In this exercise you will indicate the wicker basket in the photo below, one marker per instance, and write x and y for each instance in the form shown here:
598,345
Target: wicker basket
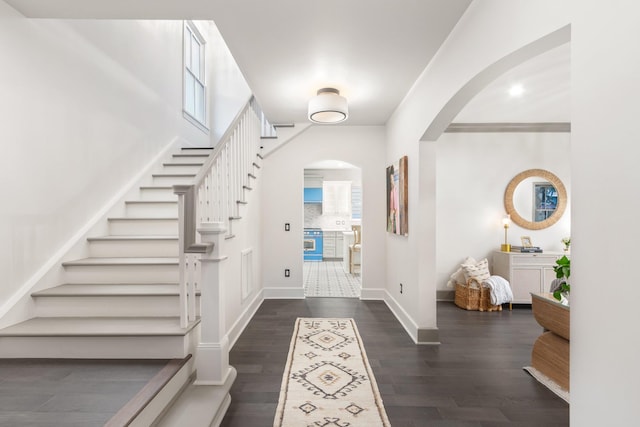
474,296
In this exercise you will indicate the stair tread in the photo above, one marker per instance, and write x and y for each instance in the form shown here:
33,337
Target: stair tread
156,187
151,202
148,218
174,174
122,261
109,289
98,326
183,164
191,155
133,237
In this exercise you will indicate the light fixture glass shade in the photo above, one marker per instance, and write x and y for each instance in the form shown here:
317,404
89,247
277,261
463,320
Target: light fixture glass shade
328,107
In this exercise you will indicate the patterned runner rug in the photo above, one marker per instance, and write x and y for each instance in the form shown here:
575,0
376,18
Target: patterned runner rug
327,381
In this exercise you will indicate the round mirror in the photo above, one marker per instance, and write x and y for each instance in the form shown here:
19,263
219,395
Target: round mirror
535,199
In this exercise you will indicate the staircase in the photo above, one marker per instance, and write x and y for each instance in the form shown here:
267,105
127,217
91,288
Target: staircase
137,294
123,300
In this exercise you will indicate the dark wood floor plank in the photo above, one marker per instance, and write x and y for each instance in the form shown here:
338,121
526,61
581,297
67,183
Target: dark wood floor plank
473,379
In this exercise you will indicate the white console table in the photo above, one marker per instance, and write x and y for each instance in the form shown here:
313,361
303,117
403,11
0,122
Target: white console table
526,272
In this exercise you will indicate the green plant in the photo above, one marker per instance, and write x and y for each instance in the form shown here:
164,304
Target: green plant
563,271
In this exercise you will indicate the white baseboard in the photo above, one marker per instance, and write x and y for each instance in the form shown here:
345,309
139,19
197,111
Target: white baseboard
284,293
403,317
373,294
245,317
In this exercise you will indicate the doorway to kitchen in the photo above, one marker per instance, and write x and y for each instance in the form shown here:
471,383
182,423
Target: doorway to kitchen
332,210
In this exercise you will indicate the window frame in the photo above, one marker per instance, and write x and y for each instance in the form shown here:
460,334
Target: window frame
191,33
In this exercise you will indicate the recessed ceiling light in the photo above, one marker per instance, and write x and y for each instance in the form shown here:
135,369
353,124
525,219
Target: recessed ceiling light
516,90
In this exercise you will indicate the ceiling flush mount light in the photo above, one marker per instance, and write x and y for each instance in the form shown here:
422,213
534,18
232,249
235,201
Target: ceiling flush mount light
328,107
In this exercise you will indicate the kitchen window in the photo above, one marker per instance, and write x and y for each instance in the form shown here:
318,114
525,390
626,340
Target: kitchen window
356,202
195,89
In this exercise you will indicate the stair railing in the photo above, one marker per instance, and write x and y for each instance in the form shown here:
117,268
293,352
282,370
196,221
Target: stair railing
215,196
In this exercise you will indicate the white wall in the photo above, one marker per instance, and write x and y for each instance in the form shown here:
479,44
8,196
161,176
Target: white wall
473,172
228,90
282,202
248,232
489,31
86,104
605,66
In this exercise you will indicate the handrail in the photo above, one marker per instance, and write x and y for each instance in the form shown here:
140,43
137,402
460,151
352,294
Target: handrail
225,139
189,243
214,196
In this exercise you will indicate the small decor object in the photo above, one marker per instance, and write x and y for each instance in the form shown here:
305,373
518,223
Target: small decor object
398,198
526,241
506,221
563,271
566,241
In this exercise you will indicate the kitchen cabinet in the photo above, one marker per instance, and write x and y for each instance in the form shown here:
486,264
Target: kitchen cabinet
339,245
313,195
333,245
336,198
526,272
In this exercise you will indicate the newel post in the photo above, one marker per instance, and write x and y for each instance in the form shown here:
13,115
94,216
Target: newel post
212,355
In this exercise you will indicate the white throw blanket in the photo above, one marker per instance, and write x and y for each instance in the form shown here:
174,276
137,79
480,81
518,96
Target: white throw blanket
500,290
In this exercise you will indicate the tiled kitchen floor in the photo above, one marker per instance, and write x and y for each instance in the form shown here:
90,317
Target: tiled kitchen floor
330,279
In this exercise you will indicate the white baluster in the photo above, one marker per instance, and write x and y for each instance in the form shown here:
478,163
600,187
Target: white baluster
191,291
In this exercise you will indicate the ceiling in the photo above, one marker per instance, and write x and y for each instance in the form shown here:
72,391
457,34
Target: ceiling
371,50
545,81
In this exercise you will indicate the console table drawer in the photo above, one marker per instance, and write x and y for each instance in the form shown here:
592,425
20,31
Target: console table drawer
533,259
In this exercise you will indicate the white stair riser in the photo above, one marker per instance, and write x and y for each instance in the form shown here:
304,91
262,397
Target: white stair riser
181,168
172,180
133,248
206,151
189,159
110,306
96,347
122,274
158,194
168,227
152,210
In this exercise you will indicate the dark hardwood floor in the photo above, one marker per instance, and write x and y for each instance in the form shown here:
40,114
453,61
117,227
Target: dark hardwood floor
69,392
473,378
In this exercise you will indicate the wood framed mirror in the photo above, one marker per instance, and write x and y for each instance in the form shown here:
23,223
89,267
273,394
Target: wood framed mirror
535,199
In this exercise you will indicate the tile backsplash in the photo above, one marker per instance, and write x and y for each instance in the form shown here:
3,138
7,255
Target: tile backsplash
313,218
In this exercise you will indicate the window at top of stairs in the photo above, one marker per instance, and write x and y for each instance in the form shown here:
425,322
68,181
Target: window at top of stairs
194,77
